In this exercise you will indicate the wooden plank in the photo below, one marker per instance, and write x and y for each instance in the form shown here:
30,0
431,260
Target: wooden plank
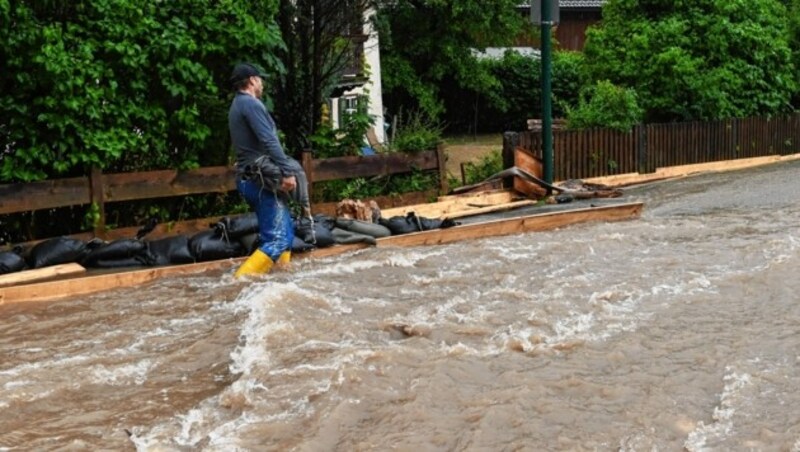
621,180
54,290
160,184
39,274
44,195
518,225
363,166
452,205
491,209
526,161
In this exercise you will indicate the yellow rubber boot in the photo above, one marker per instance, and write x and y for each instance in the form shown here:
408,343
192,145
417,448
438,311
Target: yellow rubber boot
257,264
284,260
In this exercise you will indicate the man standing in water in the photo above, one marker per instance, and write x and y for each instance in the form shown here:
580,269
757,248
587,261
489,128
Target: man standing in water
264,174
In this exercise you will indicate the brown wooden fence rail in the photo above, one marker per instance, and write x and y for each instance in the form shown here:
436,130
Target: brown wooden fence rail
589,153
100,189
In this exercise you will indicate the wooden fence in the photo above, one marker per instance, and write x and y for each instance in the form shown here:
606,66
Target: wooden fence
589,153
99,189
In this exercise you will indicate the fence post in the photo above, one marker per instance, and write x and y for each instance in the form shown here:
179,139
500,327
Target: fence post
307,161
97,197
510,143
441,156
643,166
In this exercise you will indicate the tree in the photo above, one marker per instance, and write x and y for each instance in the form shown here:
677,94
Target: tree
425,43
695,59
324,39
120,84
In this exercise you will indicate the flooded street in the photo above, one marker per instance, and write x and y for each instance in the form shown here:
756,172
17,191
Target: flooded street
676,331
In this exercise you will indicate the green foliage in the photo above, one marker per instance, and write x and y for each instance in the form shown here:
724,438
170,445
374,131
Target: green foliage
348,139
488,165
122,85
515,96
427,43
363,188
605,105
317,54
700,60
416,132
793,16
92,218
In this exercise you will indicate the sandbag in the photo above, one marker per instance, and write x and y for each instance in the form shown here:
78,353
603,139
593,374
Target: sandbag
59,250
342,237
236,227
304,230
412,223
208,246
323,235
363,227
170,250
135,261
322,227
118,250
299,246
11,262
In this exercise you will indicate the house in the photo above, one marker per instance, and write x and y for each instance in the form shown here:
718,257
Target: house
356,90
575,16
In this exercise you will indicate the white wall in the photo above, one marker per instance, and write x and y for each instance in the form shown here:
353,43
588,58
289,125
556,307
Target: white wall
372,55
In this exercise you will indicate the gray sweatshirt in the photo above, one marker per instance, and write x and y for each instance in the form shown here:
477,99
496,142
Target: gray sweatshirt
253,134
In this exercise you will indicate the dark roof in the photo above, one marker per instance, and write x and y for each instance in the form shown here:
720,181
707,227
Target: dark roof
581,3
573,4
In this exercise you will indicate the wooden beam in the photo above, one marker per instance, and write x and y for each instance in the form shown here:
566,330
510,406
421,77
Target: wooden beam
533,165
44,195
39,274
160,184
447,206
54,290
492,209
671,172
517,225
364,166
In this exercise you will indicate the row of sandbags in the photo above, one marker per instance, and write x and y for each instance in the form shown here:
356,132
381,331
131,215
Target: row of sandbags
227,238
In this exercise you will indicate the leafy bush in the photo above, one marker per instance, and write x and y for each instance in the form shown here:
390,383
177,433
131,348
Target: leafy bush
364,188
348,139
122,85
605,105
418,132
706,60
481,170
515,95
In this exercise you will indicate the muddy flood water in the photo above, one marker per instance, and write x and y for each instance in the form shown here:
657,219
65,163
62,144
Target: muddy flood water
676,331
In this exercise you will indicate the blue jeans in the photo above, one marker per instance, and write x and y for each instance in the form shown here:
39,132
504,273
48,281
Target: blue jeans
275,228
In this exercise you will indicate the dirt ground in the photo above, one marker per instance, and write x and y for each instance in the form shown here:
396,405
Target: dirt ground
470,149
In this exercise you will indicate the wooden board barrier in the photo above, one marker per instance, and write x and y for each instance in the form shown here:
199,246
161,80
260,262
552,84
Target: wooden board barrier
533,165
53,290
516,225
39,274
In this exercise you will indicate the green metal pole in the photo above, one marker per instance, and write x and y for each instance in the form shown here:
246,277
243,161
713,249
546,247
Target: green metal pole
547,104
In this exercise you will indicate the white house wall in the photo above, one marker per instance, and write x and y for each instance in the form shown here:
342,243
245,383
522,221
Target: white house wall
372,55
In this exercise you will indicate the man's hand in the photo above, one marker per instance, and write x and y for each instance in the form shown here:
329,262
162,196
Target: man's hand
288,183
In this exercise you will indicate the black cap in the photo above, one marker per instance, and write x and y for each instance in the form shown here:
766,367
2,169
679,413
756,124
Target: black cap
244,71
